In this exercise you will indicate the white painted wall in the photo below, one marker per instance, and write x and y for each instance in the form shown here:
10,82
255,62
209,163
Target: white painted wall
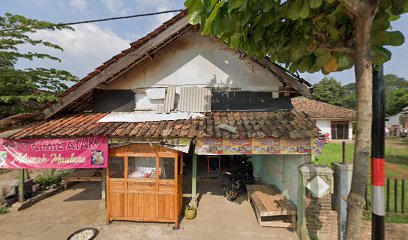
195,60
350,134
325,127
281,171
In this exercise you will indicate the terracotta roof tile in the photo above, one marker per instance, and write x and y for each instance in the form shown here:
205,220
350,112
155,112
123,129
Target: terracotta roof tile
320,110
288,124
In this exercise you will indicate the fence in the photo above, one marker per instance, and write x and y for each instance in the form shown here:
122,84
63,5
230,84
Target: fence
395,195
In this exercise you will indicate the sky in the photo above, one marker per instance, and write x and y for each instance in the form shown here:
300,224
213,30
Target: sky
92,44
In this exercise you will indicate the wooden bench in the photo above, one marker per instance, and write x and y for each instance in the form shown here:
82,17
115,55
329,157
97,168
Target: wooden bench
83,175
271,208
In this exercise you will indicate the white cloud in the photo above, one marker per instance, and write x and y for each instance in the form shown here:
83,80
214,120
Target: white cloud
84,49
115,7
80,4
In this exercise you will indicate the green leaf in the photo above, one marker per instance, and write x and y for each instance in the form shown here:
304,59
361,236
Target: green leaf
395,38
344,61
397,6
210,20
195,7
323,57
267,5
315,3
380,24
235,39
237,4
388,38
294,8
304,12
381,55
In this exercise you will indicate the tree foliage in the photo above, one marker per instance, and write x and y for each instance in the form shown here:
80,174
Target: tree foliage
331,91
26,90
312,36
306,35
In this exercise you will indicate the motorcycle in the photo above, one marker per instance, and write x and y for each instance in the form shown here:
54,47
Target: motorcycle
234,181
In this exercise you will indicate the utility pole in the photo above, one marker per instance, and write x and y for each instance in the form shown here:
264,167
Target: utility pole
377,155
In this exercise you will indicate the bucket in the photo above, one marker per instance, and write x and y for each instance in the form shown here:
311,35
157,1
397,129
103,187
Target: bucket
190,213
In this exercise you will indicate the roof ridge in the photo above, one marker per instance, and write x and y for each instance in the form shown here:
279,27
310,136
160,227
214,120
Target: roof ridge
133,46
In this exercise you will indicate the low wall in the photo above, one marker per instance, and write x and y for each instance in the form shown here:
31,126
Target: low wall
281,171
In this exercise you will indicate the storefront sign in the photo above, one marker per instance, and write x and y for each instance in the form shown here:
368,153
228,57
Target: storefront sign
87,152
218,146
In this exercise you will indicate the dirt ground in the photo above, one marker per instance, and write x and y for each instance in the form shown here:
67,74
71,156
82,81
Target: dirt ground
393,231
80,206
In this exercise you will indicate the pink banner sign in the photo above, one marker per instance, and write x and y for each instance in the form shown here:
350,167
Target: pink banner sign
86,152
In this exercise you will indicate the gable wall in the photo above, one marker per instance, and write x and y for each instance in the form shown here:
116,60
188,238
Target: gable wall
195,60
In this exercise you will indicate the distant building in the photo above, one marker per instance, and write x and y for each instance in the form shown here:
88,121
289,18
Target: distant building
335,121
397,124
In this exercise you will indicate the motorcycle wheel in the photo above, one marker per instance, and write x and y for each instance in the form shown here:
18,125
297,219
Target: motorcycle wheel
231,193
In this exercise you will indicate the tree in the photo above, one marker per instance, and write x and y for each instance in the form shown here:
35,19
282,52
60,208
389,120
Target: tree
396,101
396,89
314,35
329,90
27,90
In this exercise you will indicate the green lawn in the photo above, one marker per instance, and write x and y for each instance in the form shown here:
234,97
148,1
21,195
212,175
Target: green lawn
396,156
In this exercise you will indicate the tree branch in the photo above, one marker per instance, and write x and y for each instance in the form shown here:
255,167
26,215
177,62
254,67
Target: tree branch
341,49
360,8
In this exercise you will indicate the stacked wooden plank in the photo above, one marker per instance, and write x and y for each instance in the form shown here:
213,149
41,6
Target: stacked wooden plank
83,175
271,208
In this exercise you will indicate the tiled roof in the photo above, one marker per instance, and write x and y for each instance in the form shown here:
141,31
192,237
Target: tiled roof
283,124
321,110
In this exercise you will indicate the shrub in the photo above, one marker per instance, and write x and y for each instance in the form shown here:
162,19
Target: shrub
4,209
50,178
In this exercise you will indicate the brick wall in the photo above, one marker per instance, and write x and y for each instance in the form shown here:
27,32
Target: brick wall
321,220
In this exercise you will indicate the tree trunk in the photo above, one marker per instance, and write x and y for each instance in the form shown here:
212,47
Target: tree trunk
363,72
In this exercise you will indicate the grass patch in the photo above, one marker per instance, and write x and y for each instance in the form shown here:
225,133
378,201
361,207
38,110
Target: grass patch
4,209
4,171
396,157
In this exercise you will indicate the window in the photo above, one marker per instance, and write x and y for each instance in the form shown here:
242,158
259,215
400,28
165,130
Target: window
141,167
166,168
214,164
116,167
339,130
248,101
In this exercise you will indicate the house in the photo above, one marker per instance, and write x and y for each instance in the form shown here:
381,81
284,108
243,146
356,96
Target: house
176,98
335,121
397,124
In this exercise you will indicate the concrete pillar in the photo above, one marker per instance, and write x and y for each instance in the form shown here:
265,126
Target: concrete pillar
21,185
316,219
194,181
103,182
342,185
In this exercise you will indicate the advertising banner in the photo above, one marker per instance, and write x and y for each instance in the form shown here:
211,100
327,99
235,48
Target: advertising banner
59,153
219,146
265,146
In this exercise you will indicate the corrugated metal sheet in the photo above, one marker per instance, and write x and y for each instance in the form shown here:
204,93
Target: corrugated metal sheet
170,98
132,117
195,99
